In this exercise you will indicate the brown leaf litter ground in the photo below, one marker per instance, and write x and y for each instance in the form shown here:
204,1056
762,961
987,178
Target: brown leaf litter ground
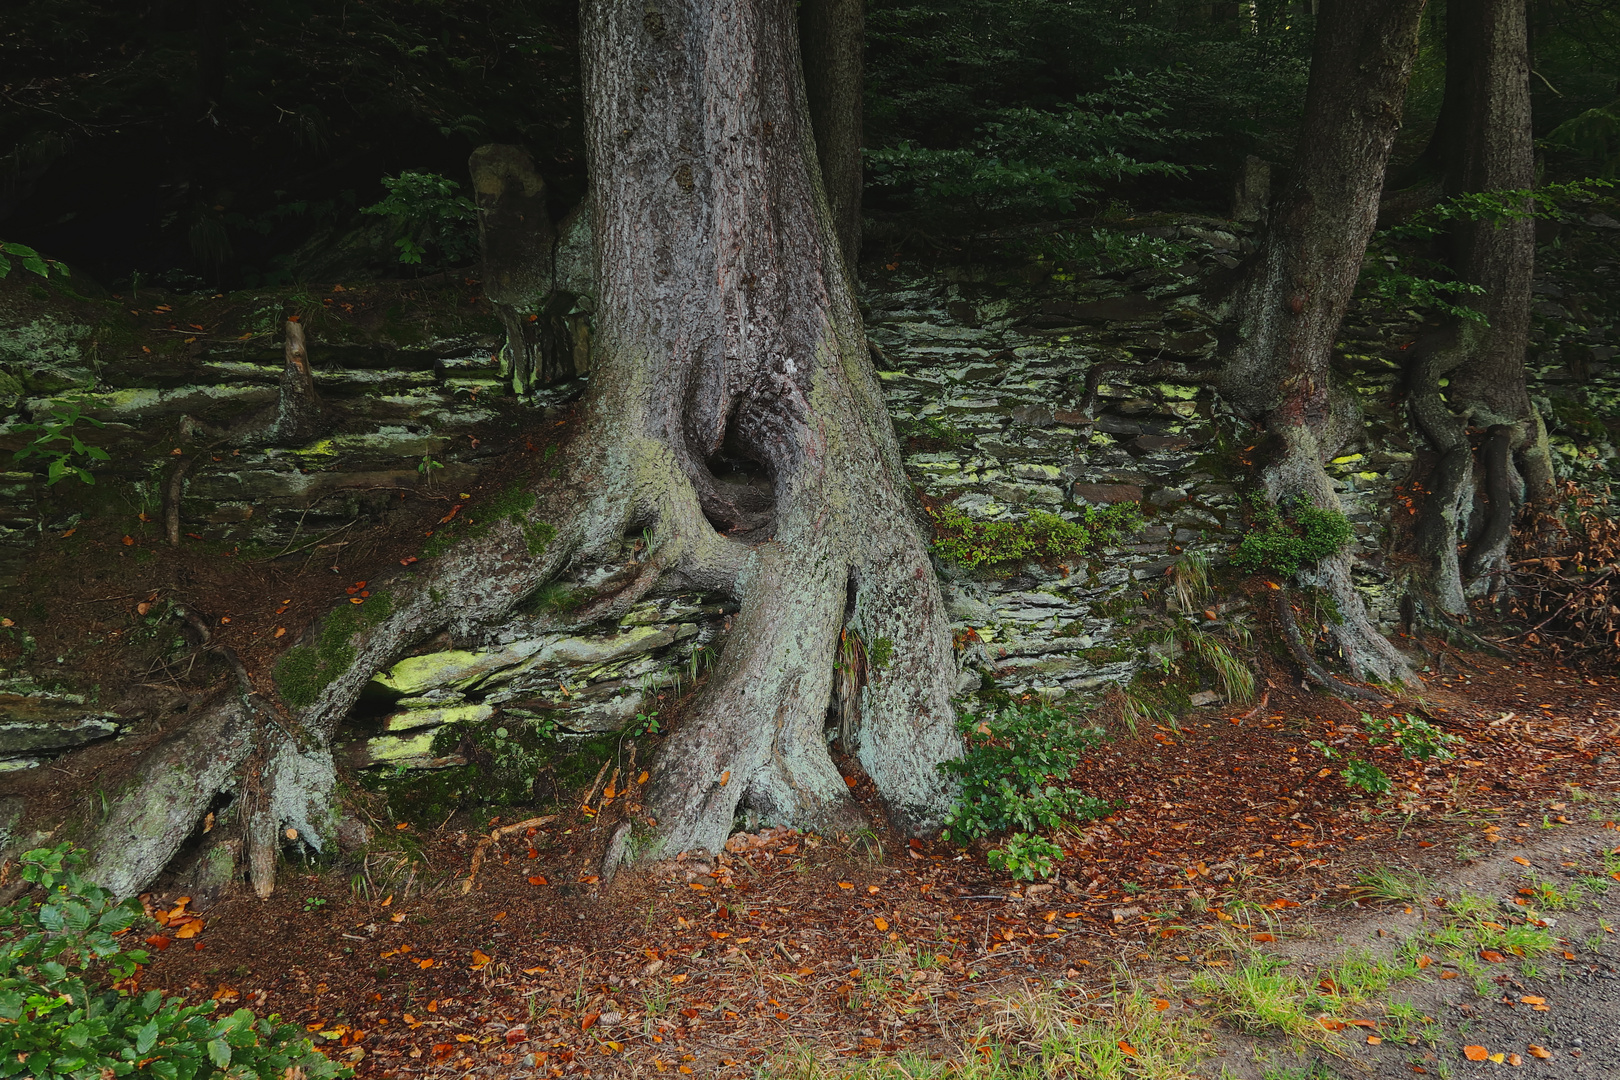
1229,827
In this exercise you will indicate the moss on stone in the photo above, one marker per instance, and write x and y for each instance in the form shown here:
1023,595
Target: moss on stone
1040,536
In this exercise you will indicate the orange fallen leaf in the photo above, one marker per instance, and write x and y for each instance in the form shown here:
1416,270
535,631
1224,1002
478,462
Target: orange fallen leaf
1515,1060
1539,1051
1265,937
880,922
724,777
587,1020
537,879
1492,956
190,929
129,541
1531,999
1448,974
1424,961
1126,1048
1159,1004
642,779
280,631
158,942
1330,1024
480,959
424,963
846,885
1475,1053
1373,1040
1521,860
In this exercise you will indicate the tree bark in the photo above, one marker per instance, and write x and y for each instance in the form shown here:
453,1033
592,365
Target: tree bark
1293,297
833,36
729,349
1490,149
733,417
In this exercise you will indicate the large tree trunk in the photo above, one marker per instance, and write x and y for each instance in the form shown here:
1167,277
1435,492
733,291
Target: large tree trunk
1490,149
833,33
1293,297
733,417
738,409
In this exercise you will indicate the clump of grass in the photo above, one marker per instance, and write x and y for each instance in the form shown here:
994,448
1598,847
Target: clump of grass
1256,998
1389,884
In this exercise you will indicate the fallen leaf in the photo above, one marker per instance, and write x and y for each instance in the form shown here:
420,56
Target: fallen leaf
537,879
1127,1048
1373,1040
1265,937
1492,956
1521,860
880,922
1497,1057
587,1020
1515,1060
479,959
1539,1051
1424,961
1531,999
1159,1004
158,942
724,777
846,885
424,963
1448,974
1475,1053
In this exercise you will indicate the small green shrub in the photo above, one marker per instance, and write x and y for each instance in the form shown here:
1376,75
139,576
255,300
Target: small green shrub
439,220
1366,776
1417,739
60,961
1008,771
1284,545
1025,857
59,445
1040,536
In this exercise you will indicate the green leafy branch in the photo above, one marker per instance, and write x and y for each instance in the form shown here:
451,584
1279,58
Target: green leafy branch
30,259
60,446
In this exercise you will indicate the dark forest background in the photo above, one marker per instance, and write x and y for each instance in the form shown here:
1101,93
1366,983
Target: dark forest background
216,144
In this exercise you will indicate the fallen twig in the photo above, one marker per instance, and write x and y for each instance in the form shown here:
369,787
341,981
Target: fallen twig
483,845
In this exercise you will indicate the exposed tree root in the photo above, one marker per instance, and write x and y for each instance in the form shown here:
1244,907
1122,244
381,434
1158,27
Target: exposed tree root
1302,654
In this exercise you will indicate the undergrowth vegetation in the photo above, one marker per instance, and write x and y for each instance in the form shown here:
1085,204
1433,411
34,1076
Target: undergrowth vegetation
1040,536
1014,776
1284,543
70,1009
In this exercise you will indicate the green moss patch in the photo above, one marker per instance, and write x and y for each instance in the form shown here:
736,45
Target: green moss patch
308,669
1041,536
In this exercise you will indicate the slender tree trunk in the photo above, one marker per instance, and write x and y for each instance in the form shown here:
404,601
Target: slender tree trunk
733,416
833,33
1293,298
1491,150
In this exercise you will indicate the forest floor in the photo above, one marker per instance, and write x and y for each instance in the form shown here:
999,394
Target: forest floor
1241,913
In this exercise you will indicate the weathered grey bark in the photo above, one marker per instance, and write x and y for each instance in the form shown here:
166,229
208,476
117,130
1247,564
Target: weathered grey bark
1292,299
1488,147
713,181
516,237
733,414
833,33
